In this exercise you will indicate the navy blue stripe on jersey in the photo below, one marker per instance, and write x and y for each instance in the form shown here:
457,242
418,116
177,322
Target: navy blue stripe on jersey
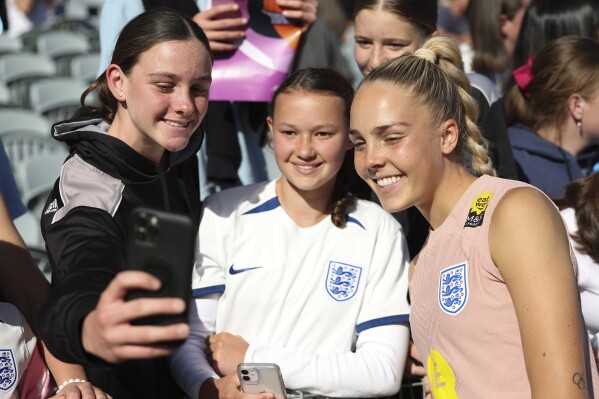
383,321
356,221
215,289
269,205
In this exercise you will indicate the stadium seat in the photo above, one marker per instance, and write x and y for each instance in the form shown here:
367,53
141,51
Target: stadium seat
56,98
62,46
10,44
17,120
85,66
22,146
19,70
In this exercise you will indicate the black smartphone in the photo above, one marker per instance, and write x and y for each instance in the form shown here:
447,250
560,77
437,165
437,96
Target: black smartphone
163,244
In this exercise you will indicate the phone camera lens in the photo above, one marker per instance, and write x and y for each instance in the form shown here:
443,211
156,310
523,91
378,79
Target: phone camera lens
141,235
152,232
245,372
142,221
246,377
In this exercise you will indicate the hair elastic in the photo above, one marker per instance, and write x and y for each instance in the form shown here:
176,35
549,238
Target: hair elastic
427,54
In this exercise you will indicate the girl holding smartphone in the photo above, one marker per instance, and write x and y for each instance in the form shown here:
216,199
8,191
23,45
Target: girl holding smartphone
137,148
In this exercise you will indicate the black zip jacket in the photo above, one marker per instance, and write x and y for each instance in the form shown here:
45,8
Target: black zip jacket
84,224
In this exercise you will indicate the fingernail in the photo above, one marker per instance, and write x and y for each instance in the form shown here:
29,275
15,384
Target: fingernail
178,306
183,331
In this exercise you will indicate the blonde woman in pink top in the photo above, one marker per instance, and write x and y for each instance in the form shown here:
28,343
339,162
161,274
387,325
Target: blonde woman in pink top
495,307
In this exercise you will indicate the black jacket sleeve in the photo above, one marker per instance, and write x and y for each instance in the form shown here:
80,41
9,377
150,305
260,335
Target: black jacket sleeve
86,250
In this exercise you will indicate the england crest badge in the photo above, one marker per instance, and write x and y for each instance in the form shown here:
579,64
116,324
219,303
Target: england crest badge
342,280
453,288
8,370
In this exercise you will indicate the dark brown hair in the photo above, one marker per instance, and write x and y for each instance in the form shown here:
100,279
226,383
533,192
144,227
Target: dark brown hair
490,55
545,21
565,66
143,32
327,81
582,195
421,13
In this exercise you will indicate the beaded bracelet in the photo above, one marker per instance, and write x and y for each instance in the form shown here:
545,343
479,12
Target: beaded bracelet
67,382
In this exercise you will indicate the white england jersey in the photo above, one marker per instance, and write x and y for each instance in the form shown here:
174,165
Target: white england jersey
313,289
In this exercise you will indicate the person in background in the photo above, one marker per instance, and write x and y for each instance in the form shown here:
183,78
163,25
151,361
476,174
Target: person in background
24,286
556,114
482,316
452,21
232,154
494,28
23,289
25,15
580,210
8,186
322,273
136,149
386,29
545,21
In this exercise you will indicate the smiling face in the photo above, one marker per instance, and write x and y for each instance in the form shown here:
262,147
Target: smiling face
397,146
381,36
164,98
310,138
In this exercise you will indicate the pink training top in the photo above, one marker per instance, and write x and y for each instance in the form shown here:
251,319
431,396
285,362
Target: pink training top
463,320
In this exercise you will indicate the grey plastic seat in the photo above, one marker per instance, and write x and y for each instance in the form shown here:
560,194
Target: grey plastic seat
19,70
56,98
62,46
28,226
88,10
10,44
37,176
16,120
5,100
85,66
22,146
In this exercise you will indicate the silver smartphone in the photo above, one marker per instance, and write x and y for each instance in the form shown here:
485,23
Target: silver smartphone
260,378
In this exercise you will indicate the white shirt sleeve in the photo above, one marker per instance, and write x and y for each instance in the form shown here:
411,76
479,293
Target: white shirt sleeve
189,365
374,369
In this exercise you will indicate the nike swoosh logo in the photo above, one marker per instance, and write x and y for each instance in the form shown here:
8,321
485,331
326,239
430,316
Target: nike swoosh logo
246,269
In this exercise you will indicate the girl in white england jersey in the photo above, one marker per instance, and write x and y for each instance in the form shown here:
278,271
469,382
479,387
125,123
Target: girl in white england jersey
297,271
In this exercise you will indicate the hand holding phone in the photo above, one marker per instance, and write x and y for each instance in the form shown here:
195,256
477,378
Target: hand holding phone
261,377
107,331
